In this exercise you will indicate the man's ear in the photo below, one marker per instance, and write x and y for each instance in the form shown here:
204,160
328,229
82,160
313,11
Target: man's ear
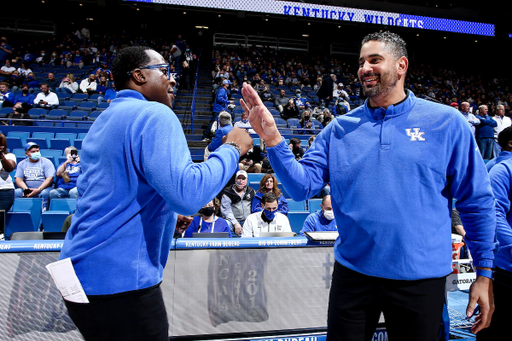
138,77
402,65
509,145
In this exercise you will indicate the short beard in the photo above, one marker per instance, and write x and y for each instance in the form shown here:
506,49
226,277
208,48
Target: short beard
386,83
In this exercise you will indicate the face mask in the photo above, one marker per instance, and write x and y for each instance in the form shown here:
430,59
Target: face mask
269,214
35,156
306,118
240,183
25,91
245,121
208,211
329,214
298,95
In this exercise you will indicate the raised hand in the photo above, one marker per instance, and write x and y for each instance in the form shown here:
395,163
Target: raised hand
260,118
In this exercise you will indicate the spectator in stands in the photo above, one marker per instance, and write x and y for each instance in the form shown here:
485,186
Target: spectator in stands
268,183
7,165
501,181
505,143
224,128
7,69
290,110
281,101
244,123
473,121
339,92
268,220
68,84
300,102
77,60
110,94
502,122
102,86
34,175
24,70
32,82
266,95
189,66
236,202
25,96
42,58
176,56
322,220
6,97
305,123
67,175
88,85
251,161
484,132
52,82
46,99
5,50
339,108
310,141
54,60
296,148
208,221
319,110
19,112
15,81
326,118
326,89
220,104
363,252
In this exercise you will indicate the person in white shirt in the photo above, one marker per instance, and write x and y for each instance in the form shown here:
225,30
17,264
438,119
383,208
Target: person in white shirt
472,119
7,165
268,220
46,99
503,122
7,69
88,85
245,124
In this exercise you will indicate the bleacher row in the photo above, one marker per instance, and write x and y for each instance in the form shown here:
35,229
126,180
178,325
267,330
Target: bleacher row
51,145
26,216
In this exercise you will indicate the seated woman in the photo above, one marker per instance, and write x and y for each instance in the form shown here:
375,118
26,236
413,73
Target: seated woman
269,184
208,221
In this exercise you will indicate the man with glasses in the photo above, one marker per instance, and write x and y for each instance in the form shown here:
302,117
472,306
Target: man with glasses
137,177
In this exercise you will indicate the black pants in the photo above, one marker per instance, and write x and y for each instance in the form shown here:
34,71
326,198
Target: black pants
136,315
412,309
500,323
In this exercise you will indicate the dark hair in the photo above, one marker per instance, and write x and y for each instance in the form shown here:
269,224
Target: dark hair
269,197
295,140
3,141
126,60
395,45
504,136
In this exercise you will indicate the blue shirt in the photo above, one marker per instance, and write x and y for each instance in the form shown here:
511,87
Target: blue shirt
74,170
317,222
393,173
217,138
137,175
29,98
219,225
503,155
501,179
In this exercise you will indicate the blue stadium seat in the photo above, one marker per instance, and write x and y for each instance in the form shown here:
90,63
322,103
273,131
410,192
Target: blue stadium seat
18,152
314,205
58,113
253,177
60,209
44,134
78,144
25,215
41,142
296,219
78,113
296,205
36,112
61,144
87,106
70,136
23,135
5,111
292,122
283,190
15,143
81,136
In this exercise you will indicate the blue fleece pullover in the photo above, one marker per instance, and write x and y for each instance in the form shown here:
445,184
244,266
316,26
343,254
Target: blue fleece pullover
393,173
501,182
137,175
318,222
503,155
221,100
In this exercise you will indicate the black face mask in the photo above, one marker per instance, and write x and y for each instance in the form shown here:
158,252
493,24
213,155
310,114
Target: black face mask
207,211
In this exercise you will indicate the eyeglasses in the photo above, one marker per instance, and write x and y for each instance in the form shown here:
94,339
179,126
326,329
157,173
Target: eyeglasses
164,68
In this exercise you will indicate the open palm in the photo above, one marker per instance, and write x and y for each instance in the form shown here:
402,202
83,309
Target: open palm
260,118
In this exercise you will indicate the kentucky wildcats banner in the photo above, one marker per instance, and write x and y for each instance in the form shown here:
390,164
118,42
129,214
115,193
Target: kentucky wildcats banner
305,10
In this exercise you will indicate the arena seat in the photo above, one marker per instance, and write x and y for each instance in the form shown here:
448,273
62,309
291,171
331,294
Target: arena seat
44,134
297,219
60,144
296,205
60,209
253,177
70,136
25,215
314,205
41,142
23,135
14,143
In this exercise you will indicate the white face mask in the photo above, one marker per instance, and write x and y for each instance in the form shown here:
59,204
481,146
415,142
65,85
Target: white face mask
329,214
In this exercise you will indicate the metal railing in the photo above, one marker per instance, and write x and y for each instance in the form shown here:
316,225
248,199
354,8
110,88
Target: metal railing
235,40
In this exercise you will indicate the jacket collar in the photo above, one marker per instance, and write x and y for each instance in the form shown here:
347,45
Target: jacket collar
395,110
